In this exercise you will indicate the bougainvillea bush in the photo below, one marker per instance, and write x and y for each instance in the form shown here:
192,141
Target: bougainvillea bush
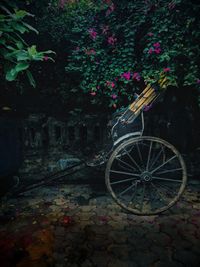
118,46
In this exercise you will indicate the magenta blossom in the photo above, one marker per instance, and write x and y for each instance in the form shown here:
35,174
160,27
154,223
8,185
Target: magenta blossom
147,107
171,5
93,93
112,84
150,34
116,79
108,83
150,51
62,3
90,52
156,45
93,33
112,40
114,96
157,50
166,69
45,58
198,81
136,76
98,87
126,75
110,10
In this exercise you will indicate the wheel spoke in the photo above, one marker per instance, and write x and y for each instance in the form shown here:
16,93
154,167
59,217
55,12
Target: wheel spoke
163,164
147,167
156,158
142,199
125,163
122,181
172,170
159,192
132,160
127,189
134,194
167,179
139,153
167,189
126,173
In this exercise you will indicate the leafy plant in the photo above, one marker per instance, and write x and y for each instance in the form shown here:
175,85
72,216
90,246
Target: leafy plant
15,54
119,45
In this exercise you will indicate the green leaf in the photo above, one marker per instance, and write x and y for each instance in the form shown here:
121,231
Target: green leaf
19,28
30,27
21,66
11,75
32,50
22,55
31,79
20,14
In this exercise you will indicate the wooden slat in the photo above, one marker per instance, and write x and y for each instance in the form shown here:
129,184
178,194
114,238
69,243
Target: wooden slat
142,100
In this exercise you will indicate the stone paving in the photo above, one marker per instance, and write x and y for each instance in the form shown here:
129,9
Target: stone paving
80,225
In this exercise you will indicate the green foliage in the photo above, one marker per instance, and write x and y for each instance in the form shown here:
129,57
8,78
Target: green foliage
15,54
117,45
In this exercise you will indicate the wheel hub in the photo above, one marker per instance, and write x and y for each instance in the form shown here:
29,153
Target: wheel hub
146,176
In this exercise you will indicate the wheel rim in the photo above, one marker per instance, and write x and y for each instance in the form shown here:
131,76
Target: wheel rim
146,175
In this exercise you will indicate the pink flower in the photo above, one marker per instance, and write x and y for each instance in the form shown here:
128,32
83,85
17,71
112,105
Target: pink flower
126,75
108,2
156,45
90,52
198,81
112,84
147,107
114,105
93,33
171,5
150,34
166,69
45,58
93,93
98,87
108,83
112,7
114,96
157,50
150,51
62,3
110,10
136,76
112,40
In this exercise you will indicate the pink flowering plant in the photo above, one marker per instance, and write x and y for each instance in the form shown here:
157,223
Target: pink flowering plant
123,45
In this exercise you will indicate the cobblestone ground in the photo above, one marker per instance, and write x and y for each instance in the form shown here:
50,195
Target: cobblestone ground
80,225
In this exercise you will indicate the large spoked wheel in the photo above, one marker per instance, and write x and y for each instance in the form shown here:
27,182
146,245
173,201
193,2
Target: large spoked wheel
146,175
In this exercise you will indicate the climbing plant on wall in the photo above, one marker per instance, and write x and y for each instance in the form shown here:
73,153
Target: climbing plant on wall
119,45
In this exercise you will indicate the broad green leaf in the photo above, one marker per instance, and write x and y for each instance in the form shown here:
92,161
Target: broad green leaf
21,66
19,44
11,75
20,14
19,27
22,55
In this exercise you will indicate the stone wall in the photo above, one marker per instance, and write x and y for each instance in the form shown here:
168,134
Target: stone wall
51,144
